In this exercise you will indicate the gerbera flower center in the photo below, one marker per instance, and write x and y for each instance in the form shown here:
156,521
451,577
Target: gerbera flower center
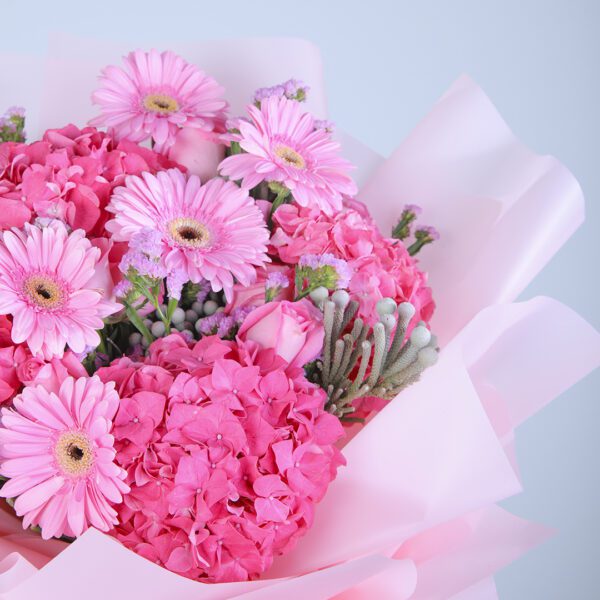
74,453
43,291
290,157
189,232
161,103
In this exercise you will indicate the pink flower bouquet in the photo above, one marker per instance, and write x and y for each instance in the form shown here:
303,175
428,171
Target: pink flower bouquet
222,369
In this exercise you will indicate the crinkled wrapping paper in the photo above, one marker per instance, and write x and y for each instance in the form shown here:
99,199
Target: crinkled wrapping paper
414,513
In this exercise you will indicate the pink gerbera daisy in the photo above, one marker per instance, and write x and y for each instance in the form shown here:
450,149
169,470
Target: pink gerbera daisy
46,285
282,144
154,95
213,231
57,452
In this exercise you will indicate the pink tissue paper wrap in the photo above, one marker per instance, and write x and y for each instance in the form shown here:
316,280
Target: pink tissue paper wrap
414,514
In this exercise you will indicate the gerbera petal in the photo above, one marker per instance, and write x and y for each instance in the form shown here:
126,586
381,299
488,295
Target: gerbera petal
229,233
37,495
56,445
47,294
153,95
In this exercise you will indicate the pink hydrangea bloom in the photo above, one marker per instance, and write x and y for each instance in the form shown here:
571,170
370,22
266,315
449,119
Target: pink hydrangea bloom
381,267
46,285
213,231
154,95
57,453
69,175
282,144
226,457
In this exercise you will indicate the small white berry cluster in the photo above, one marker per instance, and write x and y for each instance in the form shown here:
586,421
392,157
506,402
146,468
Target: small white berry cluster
183,320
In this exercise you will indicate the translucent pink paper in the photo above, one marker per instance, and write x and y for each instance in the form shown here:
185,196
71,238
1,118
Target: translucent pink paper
502,210
414,513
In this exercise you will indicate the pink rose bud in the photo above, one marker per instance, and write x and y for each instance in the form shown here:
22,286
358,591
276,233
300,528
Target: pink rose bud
293,329
199,151
34,371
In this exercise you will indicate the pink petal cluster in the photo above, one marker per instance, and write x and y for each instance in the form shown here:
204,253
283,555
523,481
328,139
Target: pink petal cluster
213,232
227,450
156,94
47,285
19,368
68,175
57,453
254,295
282,144
294,330
381,266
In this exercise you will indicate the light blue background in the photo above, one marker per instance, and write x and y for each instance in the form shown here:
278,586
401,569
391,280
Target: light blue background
386,63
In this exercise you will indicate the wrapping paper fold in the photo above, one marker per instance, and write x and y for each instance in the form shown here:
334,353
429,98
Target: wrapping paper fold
502,210
413,514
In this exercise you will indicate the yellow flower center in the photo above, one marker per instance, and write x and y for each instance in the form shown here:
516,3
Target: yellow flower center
74,453
43,291
189,232
290,157
161,103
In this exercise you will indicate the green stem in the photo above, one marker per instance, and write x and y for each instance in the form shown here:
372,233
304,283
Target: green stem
416,246
170,310
102,345
280,199
137,322
305,292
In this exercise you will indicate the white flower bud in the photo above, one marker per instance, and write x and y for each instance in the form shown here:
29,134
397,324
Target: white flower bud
406,311
319,295
341,298
420,336
197,308
210,307
427,357
158,329
135,338
389,321
386,306
178,316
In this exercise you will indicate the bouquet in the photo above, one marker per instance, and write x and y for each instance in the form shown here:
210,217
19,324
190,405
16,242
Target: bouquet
217,363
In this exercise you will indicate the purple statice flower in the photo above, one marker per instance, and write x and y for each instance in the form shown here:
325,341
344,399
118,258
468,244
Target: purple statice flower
402,229
12,124
122,288
9,126
427,231
295,89
210,325
292,89
324,124
225,326
142,264
203,291
240,313
424,234
175,282
15,111
266,92
148,241
332,272
222,324
415,209
277,279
